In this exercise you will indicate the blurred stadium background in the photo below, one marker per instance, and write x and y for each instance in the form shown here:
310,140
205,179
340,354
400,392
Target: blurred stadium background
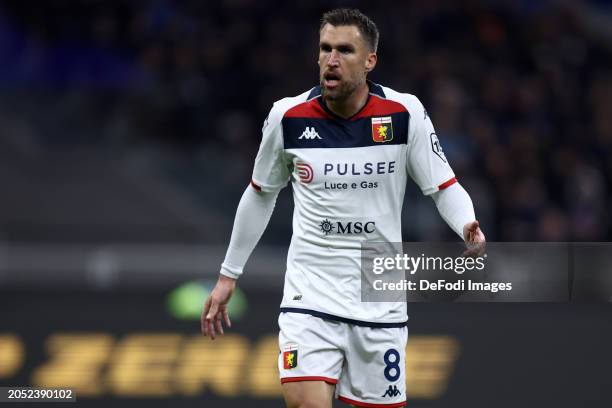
127,135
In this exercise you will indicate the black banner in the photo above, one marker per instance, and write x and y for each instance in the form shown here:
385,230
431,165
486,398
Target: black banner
128,349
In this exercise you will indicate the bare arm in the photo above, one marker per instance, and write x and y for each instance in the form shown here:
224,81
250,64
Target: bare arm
252,217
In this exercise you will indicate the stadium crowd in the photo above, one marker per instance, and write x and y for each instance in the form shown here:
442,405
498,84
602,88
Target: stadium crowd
520,94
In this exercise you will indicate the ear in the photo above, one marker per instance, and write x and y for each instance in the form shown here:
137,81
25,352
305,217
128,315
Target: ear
370,62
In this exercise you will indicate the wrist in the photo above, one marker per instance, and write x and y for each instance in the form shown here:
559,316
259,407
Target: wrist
226,280
230,271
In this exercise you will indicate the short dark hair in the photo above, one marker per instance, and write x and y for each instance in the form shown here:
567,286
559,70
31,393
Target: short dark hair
348,17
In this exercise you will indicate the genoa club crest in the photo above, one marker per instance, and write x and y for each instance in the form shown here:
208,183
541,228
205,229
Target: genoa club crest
382,129
290,356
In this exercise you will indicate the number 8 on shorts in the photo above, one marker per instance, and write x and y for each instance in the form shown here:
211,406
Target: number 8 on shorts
392,368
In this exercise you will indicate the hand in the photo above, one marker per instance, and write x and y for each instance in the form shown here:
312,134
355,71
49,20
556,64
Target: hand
215,307
474,239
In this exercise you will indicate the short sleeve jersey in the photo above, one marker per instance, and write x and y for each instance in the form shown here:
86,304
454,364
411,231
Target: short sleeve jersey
348,177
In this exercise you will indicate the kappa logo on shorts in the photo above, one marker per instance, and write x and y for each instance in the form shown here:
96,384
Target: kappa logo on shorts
290,356
392,391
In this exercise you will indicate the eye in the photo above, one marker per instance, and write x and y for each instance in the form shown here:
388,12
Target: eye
345,50
325,47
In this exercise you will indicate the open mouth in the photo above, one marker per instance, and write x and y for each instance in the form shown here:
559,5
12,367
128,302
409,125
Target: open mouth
331,79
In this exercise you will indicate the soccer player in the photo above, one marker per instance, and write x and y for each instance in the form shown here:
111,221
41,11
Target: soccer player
348,146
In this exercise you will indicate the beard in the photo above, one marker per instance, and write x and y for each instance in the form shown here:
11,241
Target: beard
342,92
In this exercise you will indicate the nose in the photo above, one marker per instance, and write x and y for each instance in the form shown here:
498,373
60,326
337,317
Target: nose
334,59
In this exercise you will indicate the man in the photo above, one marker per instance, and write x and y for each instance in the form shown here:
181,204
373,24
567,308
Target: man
348,146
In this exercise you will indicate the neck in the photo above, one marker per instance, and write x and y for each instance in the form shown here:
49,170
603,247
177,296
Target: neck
349,106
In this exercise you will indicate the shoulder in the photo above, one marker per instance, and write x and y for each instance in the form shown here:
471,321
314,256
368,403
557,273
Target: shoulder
282,106
410,102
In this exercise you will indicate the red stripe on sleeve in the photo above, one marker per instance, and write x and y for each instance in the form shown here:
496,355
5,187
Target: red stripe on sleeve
255,186
447,183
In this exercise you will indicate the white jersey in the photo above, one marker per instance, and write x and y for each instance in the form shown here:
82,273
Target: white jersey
349,177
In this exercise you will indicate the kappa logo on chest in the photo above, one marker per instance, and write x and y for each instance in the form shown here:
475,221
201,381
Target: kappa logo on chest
310,133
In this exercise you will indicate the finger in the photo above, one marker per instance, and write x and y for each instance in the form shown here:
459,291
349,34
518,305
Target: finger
226,318
214,308
211,329
475,245
470,237
476,235
470,253
207,306
218,324
477,248
203,325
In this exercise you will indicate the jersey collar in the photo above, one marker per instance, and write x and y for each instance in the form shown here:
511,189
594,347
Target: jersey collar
373,89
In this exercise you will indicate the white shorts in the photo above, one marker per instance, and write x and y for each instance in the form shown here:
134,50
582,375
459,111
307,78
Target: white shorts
366,364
